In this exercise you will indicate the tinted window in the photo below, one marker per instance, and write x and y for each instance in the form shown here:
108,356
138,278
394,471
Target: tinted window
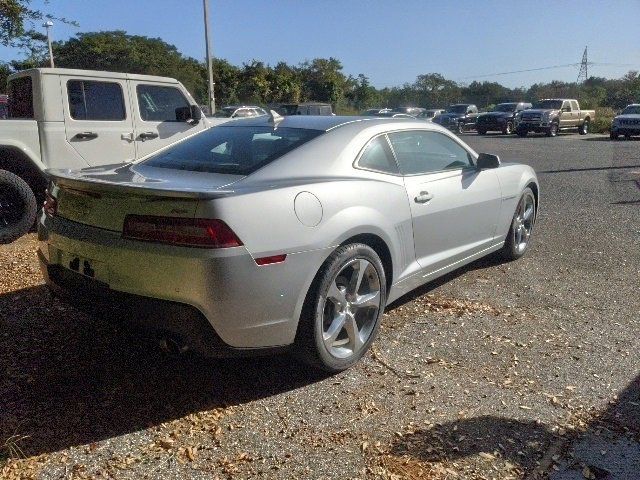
158,104
377,156
90,100
20,98
424,152
235,150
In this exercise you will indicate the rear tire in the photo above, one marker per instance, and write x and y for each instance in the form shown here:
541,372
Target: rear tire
519,236
460,128
341,315
584,128
18,207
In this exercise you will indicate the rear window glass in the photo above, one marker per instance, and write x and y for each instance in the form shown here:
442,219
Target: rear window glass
234,150
20,98
89,100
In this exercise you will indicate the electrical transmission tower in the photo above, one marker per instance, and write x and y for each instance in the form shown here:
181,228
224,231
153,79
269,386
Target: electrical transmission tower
583,74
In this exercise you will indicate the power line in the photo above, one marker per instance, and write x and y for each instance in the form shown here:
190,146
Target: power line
521,71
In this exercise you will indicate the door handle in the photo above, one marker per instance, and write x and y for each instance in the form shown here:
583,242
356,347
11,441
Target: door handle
86,135
148,136
423,197
127,136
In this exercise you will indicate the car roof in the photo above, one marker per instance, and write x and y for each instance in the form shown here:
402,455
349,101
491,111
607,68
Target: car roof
320,122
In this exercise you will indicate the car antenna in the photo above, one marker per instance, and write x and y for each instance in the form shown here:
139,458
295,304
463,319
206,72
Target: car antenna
274,117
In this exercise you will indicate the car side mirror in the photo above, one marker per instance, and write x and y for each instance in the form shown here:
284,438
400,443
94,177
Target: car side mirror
487,160
190,114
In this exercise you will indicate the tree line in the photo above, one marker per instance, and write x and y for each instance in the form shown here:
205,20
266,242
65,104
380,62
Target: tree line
320,79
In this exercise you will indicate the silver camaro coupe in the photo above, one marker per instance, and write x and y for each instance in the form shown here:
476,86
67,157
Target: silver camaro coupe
272,232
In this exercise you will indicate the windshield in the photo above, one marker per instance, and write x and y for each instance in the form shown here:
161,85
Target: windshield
505,107
238,150
548,104
631,110
457,109
224,113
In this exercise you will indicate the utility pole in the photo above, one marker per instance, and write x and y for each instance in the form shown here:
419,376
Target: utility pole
212,95
48,24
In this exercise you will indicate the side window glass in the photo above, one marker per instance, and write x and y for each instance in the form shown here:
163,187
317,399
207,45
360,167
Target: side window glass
159,104
420,152
574,105
20,100
89,100
377,156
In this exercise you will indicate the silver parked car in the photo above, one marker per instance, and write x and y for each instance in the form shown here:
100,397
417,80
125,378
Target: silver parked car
268,232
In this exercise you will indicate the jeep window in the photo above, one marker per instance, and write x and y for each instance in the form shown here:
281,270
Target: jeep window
89,100
159,104
548,104
505,107
457,109
20,98
631,110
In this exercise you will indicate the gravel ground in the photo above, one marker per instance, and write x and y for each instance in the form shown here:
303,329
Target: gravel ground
497,371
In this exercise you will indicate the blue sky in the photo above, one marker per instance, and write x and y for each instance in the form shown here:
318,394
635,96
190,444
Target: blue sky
391,41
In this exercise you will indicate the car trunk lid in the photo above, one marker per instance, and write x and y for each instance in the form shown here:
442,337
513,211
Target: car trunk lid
103,197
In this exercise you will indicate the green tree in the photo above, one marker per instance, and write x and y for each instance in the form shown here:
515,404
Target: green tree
255,85
323,80
118,52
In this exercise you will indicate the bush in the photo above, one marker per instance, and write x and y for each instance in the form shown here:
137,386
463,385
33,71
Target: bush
602,123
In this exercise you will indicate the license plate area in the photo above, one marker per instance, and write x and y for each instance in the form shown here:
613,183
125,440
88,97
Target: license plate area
87,267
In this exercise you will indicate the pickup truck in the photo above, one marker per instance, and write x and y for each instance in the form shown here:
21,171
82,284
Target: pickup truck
459,117
552,115
627,123
64,118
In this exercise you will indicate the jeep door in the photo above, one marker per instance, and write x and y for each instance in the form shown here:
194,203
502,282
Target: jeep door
98,119
156,121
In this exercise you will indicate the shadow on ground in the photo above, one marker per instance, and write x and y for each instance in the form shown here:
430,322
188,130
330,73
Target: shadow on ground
69,379
607,448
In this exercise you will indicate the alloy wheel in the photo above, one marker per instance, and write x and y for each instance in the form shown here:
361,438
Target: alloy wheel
523,221
351,308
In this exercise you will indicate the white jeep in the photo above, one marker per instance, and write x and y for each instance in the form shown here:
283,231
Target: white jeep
61,118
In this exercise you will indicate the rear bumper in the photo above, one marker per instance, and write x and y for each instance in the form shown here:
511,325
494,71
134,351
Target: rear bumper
244,305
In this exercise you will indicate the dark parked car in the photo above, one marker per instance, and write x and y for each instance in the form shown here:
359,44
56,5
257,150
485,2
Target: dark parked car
459,118
501,118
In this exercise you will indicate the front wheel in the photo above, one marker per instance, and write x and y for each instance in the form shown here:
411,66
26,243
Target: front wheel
342,312
519,236
508,128
584,128
18,207
460,128
482,131
552,131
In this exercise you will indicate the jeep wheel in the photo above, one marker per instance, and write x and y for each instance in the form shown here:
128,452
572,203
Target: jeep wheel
584,128
508,128
552,131
17,207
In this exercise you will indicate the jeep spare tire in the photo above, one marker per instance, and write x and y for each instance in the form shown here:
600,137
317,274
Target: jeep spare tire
18,207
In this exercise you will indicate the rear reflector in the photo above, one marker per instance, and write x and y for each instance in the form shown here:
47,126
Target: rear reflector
187,232
270,260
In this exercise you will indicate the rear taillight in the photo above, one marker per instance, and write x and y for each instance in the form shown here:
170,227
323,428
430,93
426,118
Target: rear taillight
188,232
50,205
